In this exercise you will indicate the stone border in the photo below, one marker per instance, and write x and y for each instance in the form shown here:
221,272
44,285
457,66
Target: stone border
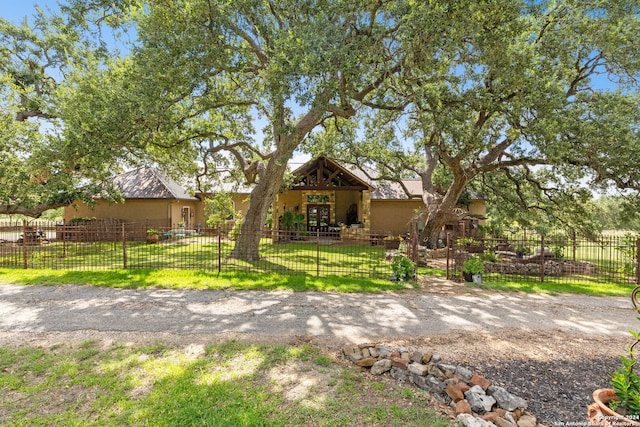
472,398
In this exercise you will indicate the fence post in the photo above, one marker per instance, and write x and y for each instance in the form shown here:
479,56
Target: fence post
638,261
318,252
25,257
575,245
124,247
219,250
448,253
542,257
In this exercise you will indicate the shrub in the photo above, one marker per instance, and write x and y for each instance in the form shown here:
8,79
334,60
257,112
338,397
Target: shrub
473,265
403,269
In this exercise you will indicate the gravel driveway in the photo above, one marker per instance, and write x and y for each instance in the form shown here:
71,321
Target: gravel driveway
551,350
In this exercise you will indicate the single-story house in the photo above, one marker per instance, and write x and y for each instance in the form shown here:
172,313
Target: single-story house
329,196
149,196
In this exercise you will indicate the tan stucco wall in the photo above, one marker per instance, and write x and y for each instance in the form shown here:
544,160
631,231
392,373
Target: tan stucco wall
163,211
288,201
344,199
393,216
478,207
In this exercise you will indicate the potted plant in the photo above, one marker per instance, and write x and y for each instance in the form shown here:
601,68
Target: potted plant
471,245
153,235
619,405
392,242
522,250
472,270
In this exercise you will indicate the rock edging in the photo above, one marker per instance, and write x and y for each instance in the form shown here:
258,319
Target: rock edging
471,397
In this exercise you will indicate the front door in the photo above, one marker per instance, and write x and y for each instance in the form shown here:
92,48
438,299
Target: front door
318,218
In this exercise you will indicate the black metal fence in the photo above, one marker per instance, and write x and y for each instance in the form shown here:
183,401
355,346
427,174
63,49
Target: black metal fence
101,245
549,257
523,255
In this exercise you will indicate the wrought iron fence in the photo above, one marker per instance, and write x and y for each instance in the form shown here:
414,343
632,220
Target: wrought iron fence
552,257
126,245
523,255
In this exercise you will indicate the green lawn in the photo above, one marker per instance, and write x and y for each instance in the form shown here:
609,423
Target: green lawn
195,279
204,253
228,384
551,285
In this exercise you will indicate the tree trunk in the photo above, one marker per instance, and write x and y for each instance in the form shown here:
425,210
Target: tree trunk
438,210
260,199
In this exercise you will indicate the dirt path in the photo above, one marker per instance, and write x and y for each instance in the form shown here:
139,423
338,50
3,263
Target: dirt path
551,350
439,308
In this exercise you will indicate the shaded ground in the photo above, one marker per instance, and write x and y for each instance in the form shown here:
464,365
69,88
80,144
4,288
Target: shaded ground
551,350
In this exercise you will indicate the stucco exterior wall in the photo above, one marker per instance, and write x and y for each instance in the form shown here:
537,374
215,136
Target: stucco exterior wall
160,212
344,199
393,216
478,207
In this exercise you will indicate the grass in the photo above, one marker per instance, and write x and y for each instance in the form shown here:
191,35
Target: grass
228,384
193,279
585,286
203,253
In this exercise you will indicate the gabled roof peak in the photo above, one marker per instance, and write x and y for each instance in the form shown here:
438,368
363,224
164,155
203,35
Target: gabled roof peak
149,183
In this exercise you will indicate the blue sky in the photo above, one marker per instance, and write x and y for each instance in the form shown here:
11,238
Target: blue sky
14,11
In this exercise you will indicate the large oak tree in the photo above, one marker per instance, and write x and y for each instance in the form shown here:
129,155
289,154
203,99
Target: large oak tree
242,83
40,167
542,95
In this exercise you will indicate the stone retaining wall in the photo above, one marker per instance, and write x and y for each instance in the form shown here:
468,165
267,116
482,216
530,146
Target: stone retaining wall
551,268
473,400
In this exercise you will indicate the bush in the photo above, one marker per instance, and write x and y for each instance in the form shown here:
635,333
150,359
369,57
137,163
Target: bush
473,266
488,256
403,269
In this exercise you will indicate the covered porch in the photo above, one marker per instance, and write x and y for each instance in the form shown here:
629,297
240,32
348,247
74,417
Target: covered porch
324,198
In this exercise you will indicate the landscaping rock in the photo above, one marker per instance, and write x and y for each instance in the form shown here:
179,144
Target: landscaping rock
399,374
366,362
490,416
454,392
399,363
418,369
502,422
479,380
384,352
466,420
420,382
350,349
471,396
354,357
527,420
462,407
436,384
436,372
381,366
506,400
444,367
480,402
463,373
417,356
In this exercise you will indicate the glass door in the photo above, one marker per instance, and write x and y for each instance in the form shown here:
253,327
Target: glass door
318,217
